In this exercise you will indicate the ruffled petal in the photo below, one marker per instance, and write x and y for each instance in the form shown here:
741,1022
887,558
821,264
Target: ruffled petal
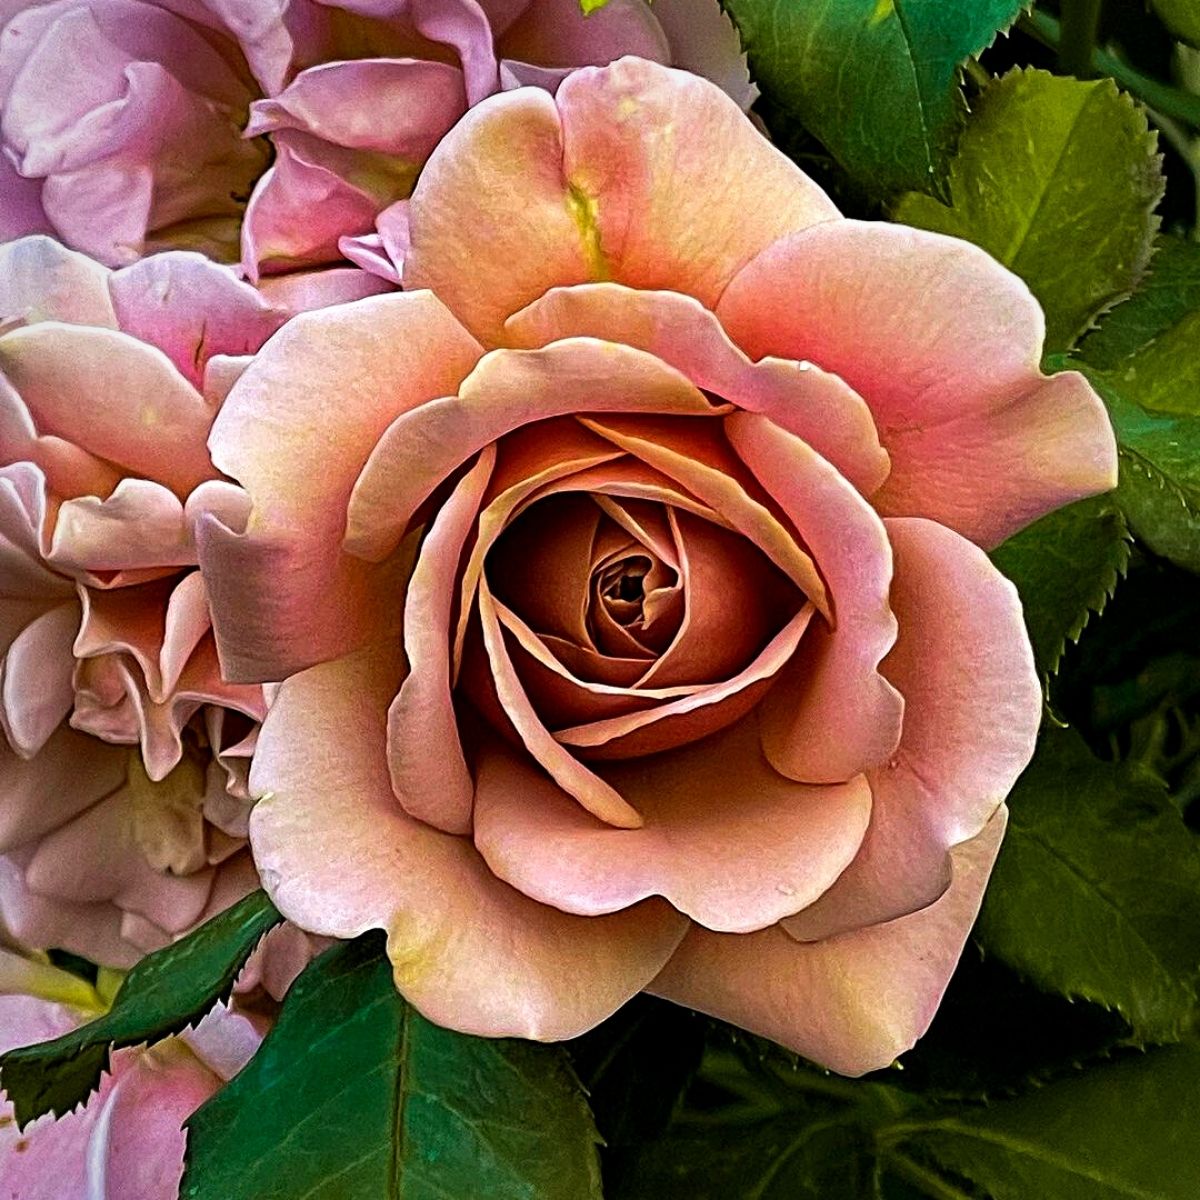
339,856
850,1003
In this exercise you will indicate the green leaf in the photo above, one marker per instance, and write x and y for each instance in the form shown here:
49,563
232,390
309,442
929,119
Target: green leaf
165,993
1123,1130
1065,567
1181,17
875,80
354,1094
1058,179
1159,490
1169,295
1096,893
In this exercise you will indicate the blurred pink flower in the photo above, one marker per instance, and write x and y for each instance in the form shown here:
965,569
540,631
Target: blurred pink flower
279,132
637,628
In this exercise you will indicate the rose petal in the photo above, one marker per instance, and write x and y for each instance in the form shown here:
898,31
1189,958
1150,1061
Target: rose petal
731,866
436,789
339,856
704,41
282,593
850,1003
973,705
556,33
812,404
549,198
141,413
508,389
41,280
833,713
943,343
36,679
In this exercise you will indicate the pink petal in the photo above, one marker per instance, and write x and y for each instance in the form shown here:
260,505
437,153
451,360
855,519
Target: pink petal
555,33
799,397
192,309
973,705
832,714
549,198
41,280
21,212
726,839
508,389
400,107
302,291
943,343
283,595
36,679
339,856
141,413
704,41
436,789
850,1003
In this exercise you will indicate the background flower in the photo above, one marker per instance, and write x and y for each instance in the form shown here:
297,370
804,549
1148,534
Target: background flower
722,695
278,133
123,798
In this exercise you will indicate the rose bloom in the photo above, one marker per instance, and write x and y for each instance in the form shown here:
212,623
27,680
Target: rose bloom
280,132
627,576
123,754
127,1141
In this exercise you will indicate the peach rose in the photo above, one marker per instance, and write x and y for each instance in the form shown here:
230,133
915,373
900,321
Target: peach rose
279,132
627,576
123,754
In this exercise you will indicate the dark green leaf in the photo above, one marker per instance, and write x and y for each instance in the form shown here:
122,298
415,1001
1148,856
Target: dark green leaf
1058,179
1159,491
355,1096
1097,890
1065,566
165,993
1124,1130
875,80
1168,295
1181,17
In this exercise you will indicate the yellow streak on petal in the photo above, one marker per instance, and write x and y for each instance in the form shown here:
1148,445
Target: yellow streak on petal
583,210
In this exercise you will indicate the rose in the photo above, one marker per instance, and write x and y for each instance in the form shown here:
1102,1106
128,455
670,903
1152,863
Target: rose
319,113
709,688
127,1140
123,758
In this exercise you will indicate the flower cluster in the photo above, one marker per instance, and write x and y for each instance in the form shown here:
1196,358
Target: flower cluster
457,474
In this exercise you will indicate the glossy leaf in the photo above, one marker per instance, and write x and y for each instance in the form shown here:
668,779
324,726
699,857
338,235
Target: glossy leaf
162,995
875,80
1058,179
354,1094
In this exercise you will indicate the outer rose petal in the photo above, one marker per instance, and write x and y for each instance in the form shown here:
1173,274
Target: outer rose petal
550,193
311,407
973,705
704,41
41,280
556,33
736,866
944,345
339,856
850,1003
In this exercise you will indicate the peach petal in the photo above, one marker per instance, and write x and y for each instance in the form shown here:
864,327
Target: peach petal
973,706
508,389
694,716
549,191
283,595
572,776
726,839
436,789
41,280
944,344
339,856
833,713
851,1003
143,415
35,678
695,459
811,403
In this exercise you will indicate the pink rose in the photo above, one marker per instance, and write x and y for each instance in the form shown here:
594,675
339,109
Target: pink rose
318,114
124,755
629,583
127,1141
